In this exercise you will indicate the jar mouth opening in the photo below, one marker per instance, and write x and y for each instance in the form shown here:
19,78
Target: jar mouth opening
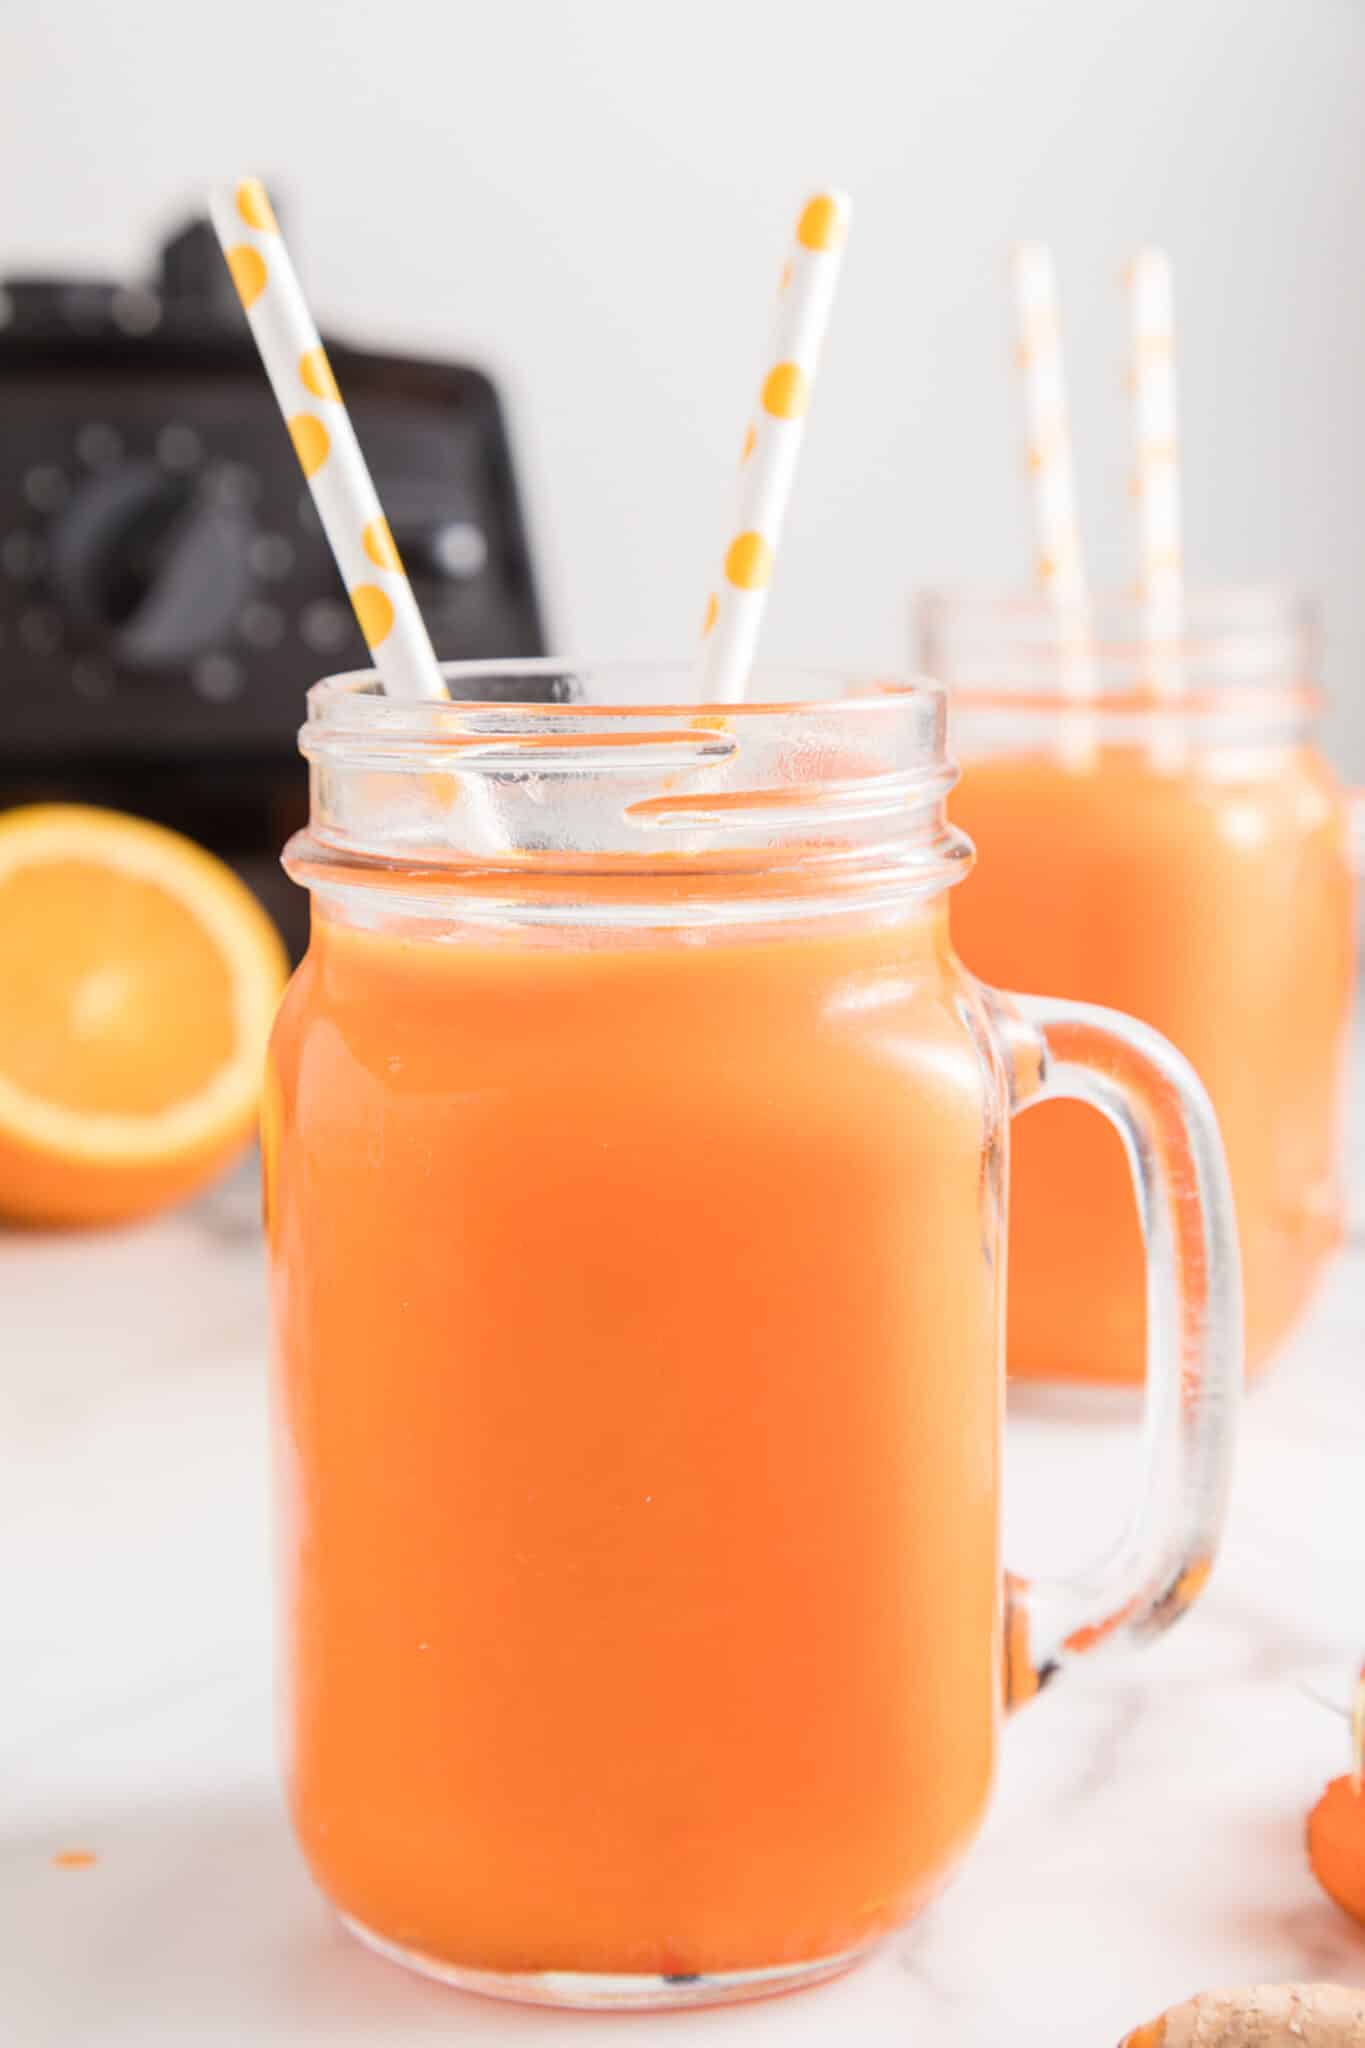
1209,608
1294,704
531,690
1240,655
612,767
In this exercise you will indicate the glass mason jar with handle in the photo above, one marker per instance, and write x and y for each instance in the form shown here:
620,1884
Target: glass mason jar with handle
1187,858
636,1170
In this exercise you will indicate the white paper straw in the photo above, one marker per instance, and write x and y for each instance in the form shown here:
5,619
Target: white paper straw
324,441
734,613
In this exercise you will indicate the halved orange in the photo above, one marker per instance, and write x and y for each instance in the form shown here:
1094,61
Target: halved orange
138,982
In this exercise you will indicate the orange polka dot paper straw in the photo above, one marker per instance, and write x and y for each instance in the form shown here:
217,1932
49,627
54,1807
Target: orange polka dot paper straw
734,612
324,441
1059,565
1156,478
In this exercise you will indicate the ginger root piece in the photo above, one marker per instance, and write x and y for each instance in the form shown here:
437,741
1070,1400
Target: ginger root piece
1264,2016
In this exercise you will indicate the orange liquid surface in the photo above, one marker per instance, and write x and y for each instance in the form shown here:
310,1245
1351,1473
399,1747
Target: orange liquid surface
638,1336
1217,906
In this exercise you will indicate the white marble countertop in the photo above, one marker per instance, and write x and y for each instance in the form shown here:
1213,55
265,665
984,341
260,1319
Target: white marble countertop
1146,1840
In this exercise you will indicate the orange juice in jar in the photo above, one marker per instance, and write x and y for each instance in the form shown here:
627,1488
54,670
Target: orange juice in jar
636,1156
1186,860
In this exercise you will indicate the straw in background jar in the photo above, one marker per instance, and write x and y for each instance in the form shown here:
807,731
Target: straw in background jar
1060,569
1156,489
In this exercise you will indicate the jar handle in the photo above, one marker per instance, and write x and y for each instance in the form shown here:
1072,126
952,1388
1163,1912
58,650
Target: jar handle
1157,1104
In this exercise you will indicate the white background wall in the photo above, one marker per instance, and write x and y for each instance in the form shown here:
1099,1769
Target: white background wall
591,196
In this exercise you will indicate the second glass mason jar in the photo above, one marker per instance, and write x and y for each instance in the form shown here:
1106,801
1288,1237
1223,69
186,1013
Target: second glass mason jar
1174,845
636,1158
